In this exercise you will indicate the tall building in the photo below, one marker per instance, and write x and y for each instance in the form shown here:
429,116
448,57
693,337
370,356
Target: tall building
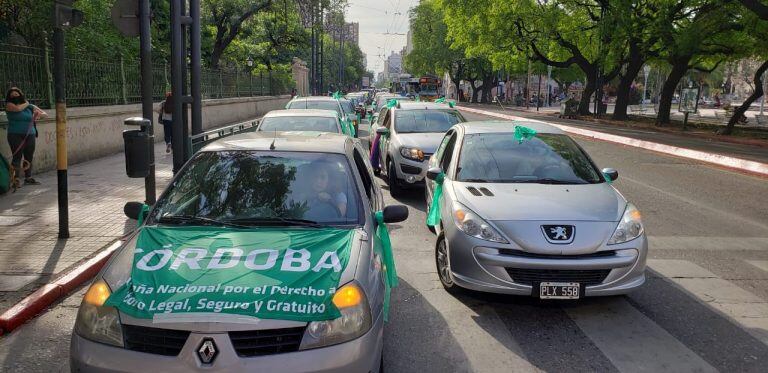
393,65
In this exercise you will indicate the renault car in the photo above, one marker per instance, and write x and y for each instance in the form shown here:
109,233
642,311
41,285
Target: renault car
249,184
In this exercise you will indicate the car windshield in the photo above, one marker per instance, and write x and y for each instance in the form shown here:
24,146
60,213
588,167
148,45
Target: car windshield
299,123
262,188
545,158
315,104
347,106
422,120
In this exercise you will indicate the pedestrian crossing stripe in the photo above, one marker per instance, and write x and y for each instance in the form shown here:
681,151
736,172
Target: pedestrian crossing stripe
746,309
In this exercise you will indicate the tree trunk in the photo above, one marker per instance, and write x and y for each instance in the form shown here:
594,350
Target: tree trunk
758,79
668,90
487,91
589,89
625,84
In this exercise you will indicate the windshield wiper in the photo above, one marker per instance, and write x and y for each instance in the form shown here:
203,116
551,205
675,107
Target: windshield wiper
188,219
549,181
276,220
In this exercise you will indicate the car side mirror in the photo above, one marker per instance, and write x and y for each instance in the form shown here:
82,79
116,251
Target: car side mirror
433,172
382,130
134,210
611,173
395,213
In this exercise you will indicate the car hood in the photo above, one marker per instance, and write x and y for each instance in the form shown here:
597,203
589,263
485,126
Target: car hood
427,142
520,201
522,212
118,270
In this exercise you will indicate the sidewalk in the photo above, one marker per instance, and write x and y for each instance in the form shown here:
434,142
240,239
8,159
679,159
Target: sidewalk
30,252
705,141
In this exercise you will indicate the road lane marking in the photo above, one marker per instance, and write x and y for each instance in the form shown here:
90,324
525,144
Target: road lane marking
632,341
762,264
707,243
743,307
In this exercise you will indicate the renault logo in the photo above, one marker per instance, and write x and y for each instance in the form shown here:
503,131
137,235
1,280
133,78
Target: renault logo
559,234
207,351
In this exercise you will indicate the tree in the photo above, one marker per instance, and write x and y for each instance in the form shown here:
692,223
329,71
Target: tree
227,18
706,34
757,7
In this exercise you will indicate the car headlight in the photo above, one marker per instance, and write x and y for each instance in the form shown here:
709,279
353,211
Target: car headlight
412,153
355,320
471,224
630,226
97,322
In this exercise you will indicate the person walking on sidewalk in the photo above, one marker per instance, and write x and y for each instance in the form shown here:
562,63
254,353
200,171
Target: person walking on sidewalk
166,118
22,132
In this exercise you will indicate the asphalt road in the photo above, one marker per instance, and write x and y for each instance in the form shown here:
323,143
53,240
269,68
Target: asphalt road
704,307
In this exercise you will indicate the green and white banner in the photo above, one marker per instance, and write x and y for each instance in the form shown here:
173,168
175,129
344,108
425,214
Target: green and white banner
270,273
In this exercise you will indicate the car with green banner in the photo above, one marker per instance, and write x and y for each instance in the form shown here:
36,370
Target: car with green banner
267,252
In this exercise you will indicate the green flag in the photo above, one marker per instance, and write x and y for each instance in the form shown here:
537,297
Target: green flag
523,133
269,273
433,216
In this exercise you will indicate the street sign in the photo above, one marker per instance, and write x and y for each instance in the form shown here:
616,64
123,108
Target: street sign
689,100
125,16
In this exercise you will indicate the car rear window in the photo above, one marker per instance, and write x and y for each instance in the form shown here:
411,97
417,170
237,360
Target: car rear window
422,120
299,123
545,158
318,104
247,186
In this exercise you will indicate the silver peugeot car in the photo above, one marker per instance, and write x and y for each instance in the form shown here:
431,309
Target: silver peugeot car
408,136
248,186
530,214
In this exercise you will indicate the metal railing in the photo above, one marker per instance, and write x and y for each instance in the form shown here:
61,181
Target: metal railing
197,142
96,83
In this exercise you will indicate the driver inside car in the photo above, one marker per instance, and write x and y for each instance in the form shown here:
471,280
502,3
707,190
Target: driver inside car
322,192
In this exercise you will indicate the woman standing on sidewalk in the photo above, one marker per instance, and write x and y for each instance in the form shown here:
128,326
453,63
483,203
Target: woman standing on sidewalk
22,131
166,117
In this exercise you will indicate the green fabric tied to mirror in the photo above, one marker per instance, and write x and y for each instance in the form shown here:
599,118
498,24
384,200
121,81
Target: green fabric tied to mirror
433,216
608,178
523,133
336,95
391,103
144,211
440,100
388,258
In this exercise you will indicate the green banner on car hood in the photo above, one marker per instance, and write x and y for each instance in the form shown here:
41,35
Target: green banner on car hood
270,273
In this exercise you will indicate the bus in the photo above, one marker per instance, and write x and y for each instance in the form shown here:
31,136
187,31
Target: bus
429,87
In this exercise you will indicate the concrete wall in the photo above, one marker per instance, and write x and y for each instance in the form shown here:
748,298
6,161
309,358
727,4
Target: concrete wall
94,132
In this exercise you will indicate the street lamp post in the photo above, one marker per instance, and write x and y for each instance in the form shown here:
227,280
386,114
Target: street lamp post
549,77
249,62
646,71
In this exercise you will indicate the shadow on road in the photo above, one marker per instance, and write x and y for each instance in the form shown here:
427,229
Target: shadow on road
417,337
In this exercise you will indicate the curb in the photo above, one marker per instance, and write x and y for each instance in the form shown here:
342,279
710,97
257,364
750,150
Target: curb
43,297
713,158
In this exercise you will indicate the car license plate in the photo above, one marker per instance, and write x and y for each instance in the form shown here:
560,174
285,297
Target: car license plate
559,290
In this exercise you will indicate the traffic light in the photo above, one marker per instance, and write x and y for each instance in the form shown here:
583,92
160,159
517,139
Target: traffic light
65,16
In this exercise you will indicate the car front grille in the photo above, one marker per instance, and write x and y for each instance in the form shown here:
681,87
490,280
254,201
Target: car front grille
531,276
525,254
408,169
252,343
167,342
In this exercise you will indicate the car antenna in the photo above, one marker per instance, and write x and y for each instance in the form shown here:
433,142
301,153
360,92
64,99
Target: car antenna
272,145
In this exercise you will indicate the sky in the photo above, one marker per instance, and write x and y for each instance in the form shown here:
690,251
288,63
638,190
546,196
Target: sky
377,19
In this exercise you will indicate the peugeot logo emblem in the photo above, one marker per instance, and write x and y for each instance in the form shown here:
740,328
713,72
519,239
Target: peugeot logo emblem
559,234
207,351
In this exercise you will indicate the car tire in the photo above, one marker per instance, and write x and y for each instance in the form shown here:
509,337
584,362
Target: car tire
426,201
442,263
394,186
